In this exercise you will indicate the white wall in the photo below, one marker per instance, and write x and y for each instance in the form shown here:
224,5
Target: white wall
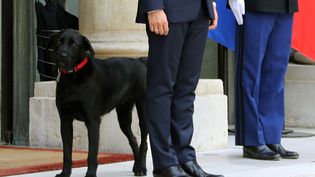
210,121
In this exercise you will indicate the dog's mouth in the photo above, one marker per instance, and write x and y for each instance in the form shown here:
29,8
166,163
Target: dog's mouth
66,67
61,63
63,66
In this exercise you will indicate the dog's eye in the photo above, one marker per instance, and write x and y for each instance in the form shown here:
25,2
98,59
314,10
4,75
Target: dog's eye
73,44
59,42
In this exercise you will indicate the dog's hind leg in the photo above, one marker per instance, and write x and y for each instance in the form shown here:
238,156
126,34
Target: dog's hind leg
141,166
67,136
93,127
124,114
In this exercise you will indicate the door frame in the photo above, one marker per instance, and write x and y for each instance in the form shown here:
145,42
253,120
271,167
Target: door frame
6,71
24,68
0,70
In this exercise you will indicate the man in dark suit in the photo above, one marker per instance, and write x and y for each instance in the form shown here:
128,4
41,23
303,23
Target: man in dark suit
177,32
262,58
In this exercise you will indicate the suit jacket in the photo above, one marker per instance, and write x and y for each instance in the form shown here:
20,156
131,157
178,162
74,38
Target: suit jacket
277,6
176,10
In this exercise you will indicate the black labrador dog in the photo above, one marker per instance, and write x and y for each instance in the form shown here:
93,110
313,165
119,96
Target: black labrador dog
88,88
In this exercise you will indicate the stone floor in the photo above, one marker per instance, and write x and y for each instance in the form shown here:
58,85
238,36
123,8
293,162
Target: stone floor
228,162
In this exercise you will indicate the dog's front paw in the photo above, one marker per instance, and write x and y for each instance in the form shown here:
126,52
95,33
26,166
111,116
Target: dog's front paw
63,175
90,175
139,171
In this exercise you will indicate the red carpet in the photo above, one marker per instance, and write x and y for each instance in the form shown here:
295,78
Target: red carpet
16,160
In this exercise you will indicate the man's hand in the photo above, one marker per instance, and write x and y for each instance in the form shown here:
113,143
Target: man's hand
214,23
238,9
158,22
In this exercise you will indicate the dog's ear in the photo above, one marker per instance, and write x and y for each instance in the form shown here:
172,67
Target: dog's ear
52,41
87,46
51,46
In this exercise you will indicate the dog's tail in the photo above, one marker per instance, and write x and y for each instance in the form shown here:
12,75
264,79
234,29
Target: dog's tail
143,60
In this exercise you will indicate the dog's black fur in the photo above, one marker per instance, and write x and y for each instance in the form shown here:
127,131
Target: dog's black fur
94,90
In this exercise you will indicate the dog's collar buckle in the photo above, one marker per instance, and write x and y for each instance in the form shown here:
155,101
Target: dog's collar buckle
58,76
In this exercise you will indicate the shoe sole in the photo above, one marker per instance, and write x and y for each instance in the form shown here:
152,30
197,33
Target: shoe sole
157,175
292,157
154,175
247,155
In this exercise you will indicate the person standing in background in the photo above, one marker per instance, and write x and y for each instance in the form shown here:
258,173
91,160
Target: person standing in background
177,32
262,56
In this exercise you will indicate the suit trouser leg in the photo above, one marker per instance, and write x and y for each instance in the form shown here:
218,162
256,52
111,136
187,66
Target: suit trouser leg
167,67
256,30
274,66
163,60
184,90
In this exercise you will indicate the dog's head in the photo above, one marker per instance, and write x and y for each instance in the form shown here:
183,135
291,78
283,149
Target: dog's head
70,48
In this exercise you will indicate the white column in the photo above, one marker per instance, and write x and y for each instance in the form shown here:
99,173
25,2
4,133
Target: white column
110,26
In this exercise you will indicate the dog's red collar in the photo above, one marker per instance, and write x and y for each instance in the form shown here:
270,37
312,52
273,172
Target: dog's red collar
76,68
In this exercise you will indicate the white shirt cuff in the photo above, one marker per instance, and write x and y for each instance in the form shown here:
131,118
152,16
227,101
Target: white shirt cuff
153,11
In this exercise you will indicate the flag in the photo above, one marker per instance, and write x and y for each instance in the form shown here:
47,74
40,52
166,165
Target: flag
304,29
225,32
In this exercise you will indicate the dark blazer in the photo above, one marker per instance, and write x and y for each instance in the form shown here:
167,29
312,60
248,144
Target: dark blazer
176,10
277,6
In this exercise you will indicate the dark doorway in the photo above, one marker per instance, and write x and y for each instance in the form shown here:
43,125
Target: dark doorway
223,70
7,72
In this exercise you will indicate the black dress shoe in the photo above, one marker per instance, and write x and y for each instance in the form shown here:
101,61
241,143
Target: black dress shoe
173,171
260,152
283,152
193,169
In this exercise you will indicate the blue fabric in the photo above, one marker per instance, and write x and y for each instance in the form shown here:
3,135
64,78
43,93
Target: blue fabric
261,64
224,34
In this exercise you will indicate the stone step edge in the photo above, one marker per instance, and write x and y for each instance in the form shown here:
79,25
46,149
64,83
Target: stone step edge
205,87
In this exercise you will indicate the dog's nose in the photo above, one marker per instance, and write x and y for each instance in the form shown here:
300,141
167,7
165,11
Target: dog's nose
61,63
64,54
